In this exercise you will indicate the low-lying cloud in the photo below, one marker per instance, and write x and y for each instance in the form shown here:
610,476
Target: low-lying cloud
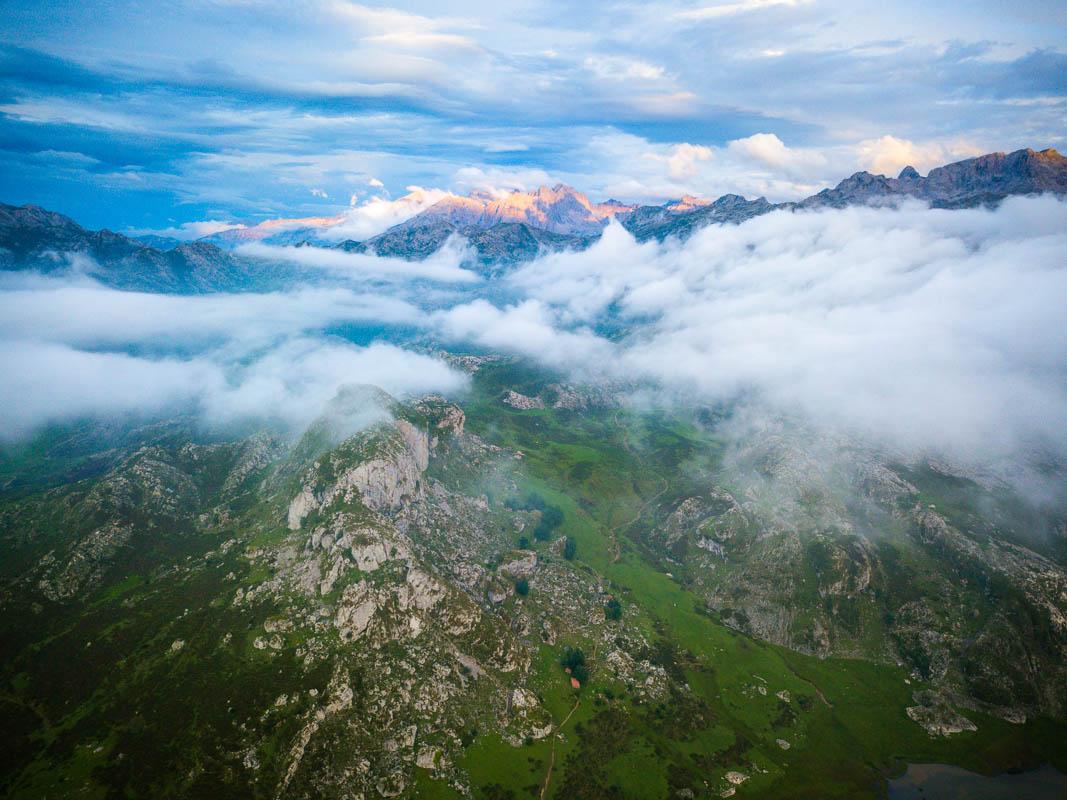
91,315
924,329
443,266
75,349
378,214
927,331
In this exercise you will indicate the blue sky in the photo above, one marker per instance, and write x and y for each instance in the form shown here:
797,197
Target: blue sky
148,116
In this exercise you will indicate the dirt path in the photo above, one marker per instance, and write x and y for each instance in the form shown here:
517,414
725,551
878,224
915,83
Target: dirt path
812,684
552,754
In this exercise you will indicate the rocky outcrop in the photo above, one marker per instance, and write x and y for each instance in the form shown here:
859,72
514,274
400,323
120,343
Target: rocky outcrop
85,565
681,220
937,717
390,460
521,401
522,565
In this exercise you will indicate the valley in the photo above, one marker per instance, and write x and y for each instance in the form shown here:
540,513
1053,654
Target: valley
378,638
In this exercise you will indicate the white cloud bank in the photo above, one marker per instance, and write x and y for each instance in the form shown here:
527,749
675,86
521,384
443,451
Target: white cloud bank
443,266
188,231
378,214
74,350
923,329
290,383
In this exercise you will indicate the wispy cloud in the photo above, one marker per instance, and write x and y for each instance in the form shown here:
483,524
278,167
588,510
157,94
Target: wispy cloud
237,111
443,266
189,230
727,9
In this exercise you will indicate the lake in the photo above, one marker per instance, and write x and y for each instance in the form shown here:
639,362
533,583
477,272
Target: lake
944,782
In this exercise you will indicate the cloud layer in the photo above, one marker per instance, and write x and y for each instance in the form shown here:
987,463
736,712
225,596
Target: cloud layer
923,329
69,350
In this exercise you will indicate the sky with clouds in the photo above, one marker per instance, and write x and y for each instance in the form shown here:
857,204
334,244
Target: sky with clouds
188,115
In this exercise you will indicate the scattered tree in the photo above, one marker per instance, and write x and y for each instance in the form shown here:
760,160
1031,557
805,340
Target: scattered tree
570,547
573,660
522,587
551,518
613,609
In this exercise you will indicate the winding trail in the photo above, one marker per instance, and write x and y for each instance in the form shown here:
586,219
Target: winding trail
552,754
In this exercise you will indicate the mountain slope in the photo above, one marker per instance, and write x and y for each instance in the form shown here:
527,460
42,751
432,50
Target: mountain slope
563,211
501,244
964,184
393,613
33,238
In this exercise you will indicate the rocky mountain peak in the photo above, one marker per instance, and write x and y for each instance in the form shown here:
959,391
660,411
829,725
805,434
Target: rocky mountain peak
558,209
686,202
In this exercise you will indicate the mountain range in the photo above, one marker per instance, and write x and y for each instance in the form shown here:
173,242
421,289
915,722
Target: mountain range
502,230
33,238
535,588
569,214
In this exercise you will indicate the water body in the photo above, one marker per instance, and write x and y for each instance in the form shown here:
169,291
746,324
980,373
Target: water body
943,782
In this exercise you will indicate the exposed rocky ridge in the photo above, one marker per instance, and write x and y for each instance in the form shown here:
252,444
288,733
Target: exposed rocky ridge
156,490
399,559
967,183
501,244
964,184
682,219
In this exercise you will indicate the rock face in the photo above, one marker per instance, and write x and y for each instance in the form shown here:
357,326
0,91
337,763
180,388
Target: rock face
522,565
682,219
937,717
967,183
401,453
521,401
